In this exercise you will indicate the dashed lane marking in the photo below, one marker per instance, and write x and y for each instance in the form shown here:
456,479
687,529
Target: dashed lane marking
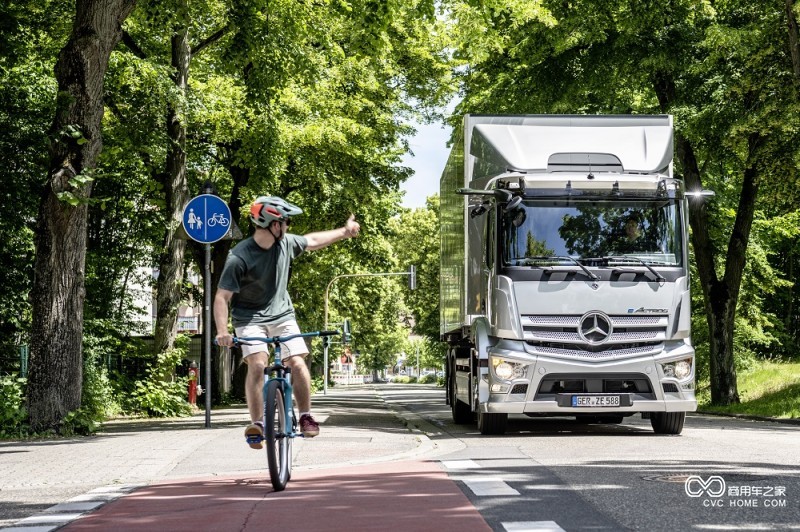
532,526
489,487
481,486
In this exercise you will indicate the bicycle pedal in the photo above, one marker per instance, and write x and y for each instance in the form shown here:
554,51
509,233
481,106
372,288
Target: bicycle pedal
255,438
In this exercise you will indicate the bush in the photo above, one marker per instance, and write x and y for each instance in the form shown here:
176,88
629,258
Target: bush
161,393
98,398
13,414
317,384
428,378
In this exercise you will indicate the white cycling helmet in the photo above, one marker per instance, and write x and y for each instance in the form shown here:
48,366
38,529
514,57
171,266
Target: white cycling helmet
268,209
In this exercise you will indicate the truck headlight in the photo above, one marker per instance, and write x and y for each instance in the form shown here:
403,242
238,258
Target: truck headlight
679,369
507,370
683,368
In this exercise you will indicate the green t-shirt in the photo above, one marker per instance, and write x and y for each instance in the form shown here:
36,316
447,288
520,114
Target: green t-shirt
258,278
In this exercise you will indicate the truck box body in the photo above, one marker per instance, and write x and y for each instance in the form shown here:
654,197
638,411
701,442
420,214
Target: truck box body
564,271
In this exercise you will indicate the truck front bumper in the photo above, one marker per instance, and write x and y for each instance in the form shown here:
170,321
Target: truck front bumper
548,384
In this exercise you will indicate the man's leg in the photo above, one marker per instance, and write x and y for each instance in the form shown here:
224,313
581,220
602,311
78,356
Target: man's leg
254,384
301,382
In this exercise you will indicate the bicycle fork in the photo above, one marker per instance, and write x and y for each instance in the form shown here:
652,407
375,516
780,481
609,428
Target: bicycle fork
283,375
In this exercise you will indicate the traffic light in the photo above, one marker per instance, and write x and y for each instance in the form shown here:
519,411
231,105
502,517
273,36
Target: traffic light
412,277
346,331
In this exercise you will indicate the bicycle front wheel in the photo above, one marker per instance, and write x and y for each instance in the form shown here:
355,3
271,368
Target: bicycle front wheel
279,444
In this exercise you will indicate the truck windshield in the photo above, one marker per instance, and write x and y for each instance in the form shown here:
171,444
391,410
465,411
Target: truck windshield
647,230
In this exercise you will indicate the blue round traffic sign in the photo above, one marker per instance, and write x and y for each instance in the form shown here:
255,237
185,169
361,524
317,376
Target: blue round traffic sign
206,218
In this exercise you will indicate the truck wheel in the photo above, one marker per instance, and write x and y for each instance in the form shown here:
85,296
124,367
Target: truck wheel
462,414
492,423
667,422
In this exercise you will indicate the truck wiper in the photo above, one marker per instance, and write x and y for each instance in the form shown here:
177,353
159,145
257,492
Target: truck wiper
660,278
529,260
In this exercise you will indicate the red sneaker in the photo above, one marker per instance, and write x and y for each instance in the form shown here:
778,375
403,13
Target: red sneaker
308,426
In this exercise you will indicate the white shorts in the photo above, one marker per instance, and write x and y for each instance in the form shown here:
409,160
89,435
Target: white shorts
294,347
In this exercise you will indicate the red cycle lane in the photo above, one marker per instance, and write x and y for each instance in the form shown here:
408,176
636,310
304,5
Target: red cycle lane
407,496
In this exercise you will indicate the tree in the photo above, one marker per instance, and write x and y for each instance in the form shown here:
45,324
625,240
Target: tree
415,239
54,386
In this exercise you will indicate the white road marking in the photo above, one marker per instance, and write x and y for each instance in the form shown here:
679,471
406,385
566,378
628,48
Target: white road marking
532,526
488,487
460,464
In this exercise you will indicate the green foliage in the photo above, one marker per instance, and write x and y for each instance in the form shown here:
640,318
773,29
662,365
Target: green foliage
404,379
414,236
13,415
98,400
30,36
161,393
81,421
317,384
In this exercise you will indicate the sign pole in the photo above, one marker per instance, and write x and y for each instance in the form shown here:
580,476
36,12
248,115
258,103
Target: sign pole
207,332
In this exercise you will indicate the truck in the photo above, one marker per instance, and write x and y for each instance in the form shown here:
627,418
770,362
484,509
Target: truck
564,281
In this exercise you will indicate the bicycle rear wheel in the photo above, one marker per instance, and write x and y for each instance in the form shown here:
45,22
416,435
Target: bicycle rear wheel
279,445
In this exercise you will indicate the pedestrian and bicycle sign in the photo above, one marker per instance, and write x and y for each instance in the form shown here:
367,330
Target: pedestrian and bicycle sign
206,218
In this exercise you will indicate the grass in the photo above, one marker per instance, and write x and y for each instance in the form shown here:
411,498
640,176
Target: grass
770,389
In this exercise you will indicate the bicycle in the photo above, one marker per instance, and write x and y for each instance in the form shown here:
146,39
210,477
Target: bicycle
280,421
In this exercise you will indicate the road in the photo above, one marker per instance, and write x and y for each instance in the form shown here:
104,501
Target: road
390,458
616,477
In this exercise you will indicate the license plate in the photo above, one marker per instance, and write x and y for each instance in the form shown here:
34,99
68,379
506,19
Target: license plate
595,400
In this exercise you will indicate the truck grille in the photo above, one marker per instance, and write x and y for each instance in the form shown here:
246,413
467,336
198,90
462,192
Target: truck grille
595,335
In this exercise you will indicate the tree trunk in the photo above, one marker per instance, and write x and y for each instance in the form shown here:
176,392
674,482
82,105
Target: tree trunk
720,327
170,270
55,377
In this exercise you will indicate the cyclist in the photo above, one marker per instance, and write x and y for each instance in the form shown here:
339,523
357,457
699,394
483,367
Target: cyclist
254,284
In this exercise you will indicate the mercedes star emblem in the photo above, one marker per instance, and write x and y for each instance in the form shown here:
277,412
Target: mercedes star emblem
595,328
